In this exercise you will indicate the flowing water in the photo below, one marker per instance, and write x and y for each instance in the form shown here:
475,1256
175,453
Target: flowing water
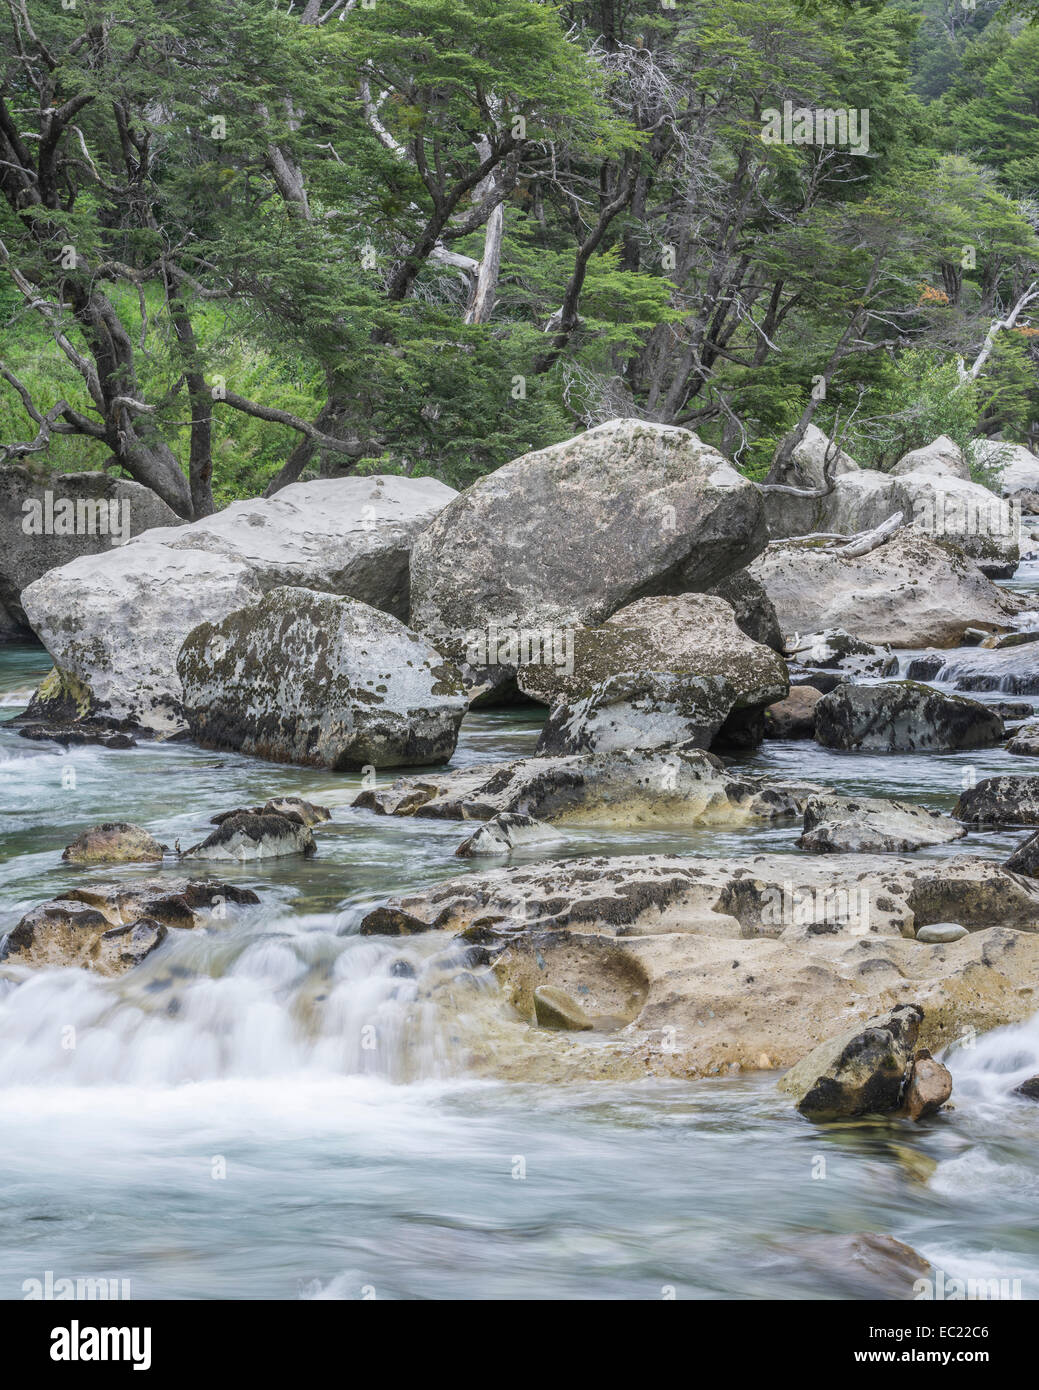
273,1106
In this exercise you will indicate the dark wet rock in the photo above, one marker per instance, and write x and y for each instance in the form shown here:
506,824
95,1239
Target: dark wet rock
74,736
1010,710
1025,859
114,842
823,681
872,825
246,835
1000,801
294,807
391,921
1013,670
861,1072
793,717
903,716
924,668
754,612
323,680
1029,1089
109,928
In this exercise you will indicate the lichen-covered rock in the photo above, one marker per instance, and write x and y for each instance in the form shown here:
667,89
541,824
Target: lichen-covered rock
793,717
565,536
862,1072
903,716
871,825
1025,859
314,678
1000,801
114,842
840,651
662,672
928,1087
505,832
621,788
247,835
115,622
51,519
913,591
109,928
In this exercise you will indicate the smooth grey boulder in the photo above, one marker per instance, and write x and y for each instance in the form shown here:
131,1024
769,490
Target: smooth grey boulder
861,1072
941,459
1000,801
662,672
1016,466
903,716
807,466
49,519
911,591
315,678
115,623
941,933
933,503
565,536
872,825
619,788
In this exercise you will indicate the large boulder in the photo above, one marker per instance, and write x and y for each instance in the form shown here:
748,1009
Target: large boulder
793,717
49,520
662,672
109,928
942,459
115,622
872,825
619,788
861,1072
903,716
1000,801
114,842
566,536
934,502
840,651
314,678
808,462
247,835
1017,467
910,592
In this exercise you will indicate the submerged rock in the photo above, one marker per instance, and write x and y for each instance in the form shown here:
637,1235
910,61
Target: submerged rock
872,825
565,536
247,835
912,591
621,788
793,717
114,842
115,622
1000,801
861,1072
903,716
109,928
318,679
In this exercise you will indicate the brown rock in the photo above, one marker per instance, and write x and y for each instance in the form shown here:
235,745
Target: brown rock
114,842
793,717
929,1087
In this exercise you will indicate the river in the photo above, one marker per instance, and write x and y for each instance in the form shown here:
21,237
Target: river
216,1125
